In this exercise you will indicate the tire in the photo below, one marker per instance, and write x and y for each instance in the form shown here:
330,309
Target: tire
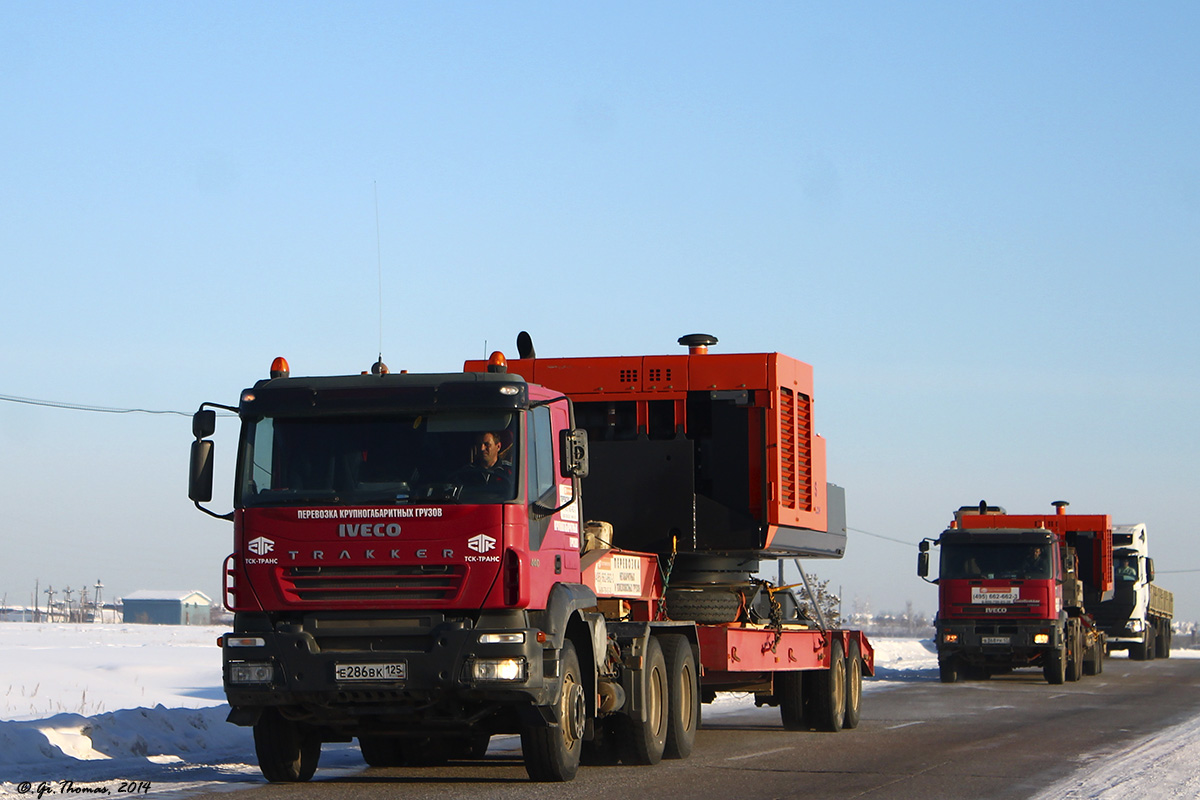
1093,664
426,752
381,751
552,753
1054,666
1075,656
683,696
645,740
474,746
705,606
789,691
1162,642
1141,650
949,669
853,686
825,695
287,751
1151,643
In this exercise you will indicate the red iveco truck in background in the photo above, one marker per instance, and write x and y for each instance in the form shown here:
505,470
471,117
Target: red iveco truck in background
387,589
1016,590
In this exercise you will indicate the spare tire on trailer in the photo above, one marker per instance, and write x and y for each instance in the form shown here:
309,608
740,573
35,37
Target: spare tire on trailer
711,605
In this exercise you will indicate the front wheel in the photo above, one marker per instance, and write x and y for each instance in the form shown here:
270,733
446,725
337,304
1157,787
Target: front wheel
552,753
949,669
287,751
1054,666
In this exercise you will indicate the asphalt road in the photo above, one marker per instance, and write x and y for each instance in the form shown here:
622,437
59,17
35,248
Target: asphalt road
1002,739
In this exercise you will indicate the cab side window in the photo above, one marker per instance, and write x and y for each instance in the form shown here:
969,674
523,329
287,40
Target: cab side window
541,479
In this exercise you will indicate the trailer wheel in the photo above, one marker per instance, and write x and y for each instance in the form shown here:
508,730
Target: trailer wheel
645,740
949,669
789,691
287,751
825,695
853,686
1054,665
552,752
683,696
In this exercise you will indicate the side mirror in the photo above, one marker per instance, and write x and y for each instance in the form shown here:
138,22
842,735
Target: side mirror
204,423
200,479
923,563
573,452
924,545
1149,570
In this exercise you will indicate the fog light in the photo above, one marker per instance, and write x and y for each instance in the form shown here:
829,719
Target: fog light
251,672
1041,638
498,669
949,638
502,638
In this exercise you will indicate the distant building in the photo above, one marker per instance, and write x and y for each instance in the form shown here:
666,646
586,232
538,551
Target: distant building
167,608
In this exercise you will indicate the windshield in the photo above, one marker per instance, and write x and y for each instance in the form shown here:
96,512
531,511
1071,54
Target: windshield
449,457
1126,568
977,560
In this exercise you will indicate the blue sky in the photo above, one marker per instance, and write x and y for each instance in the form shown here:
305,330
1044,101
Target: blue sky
979,222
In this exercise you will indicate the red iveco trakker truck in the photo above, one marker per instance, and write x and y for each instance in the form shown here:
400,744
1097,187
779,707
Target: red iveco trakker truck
412,567
1017,590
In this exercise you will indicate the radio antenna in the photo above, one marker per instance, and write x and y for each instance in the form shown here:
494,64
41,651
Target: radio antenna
379,260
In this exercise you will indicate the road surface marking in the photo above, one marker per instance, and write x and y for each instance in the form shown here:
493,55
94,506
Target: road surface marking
764,753
906,724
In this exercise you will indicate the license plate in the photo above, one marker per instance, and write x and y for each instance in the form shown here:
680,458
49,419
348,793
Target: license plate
394,671
995,639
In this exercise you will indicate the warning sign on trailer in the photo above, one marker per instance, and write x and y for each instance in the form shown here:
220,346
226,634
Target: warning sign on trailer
619,576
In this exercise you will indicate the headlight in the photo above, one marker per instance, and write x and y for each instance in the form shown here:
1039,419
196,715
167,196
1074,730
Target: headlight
1041,638
502,638
498,669
251,672
1136,626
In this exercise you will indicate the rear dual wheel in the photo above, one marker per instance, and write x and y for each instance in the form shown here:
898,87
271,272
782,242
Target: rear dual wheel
683,696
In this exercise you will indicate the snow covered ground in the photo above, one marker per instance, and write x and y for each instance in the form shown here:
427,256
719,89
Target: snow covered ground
105,704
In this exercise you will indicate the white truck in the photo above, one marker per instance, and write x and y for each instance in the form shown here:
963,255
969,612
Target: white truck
1138,617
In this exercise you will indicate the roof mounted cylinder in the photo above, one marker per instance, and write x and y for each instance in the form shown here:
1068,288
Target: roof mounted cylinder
697,343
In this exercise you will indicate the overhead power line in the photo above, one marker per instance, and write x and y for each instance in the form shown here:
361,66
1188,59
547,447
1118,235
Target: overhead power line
29,401
880,536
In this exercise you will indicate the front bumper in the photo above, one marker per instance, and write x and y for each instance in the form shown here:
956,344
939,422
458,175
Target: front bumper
442,674
1009,644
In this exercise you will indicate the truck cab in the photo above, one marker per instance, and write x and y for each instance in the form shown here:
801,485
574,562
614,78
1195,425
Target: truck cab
1138,617
1013,592
387,575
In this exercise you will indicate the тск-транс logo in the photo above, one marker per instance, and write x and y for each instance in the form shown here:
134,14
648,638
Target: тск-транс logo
481,543
260,546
